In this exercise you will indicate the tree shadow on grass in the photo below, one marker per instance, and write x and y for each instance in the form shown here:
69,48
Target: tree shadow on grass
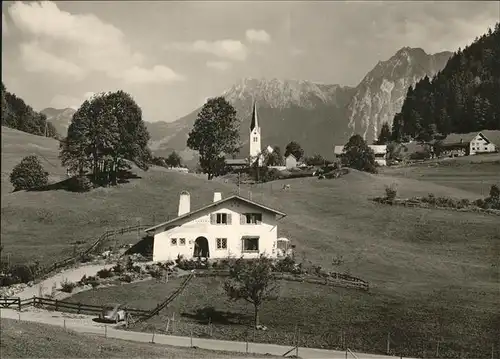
70,185
210,314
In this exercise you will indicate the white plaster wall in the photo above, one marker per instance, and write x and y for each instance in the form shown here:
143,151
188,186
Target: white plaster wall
479,145
200,225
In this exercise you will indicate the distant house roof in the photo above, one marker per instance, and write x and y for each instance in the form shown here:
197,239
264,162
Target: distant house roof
338,150
213,204
292,156
464,138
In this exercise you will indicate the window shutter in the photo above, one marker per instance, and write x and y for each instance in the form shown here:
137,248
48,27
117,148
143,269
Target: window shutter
213,218
243,219
229,218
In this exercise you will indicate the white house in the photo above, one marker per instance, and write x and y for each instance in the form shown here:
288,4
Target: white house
290,161
233,226
380,152
472,143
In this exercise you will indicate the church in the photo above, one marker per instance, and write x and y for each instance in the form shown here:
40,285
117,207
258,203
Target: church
255,152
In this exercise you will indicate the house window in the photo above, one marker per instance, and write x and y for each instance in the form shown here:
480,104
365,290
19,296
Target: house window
182,241
252,218
251,244
173,241
255,139
221,218
221,243
486,148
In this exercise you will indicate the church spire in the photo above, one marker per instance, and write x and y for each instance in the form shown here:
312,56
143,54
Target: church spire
255,122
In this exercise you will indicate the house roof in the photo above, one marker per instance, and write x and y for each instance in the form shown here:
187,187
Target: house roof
456,138
213,204
377,149
255,121
291,155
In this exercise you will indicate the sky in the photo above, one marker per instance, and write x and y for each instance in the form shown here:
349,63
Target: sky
173,55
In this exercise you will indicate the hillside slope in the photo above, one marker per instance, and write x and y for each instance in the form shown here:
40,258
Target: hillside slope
381,93
462,98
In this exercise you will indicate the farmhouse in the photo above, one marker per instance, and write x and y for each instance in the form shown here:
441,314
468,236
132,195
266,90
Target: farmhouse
233,226
290,161
465,144
379,150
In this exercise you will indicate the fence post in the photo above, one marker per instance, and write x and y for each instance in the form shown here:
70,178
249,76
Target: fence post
153,338
64,324
105,331
388,342
79,307
34,301
19,303
57,305
191,337
247,342
157,309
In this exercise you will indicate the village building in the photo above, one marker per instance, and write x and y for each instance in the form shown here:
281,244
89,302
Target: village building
380,152
231,227
290,161
466,144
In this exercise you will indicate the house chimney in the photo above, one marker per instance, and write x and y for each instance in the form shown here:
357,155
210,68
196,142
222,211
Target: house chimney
184,203
217,196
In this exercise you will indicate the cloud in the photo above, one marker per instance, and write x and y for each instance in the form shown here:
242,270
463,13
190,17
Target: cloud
65,101
229,49
253,35
36,59
219,65
82,44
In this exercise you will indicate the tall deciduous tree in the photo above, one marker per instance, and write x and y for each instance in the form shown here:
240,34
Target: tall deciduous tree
274,158
29,173
252,281
295,149
358,155
215,135
106,130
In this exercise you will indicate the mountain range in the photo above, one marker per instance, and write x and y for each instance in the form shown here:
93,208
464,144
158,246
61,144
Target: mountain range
316,115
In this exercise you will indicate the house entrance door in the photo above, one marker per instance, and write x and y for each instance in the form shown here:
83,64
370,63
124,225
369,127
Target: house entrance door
201,248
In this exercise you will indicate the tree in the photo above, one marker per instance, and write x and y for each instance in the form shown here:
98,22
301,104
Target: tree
273,158
174,160
316,160
358,155
295,149
495,192
252,280
29,173
104,132
215,134
385,135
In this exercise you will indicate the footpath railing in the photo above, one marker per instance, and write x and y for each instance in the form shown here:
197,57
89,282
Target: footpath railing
91,249
57,305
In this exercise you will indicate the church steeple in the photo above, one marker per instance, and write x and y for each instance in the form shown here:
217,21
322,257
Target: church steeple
255,149
255,121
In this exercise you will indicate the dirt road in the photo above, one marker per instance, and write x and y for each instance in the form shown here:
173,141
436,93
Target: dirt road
85,324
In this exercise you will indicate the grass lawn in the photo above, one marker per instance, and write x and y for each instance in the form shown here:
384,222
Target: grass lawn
471,173
323,314
434,263
35,340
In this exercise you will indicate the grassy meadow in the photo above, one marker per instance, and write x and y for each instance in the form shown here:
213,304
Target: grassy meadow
36,340
432,272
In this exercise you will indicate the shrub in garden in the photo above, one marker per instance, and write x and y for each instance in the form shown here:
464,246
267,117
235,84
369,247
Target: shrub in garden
118,268
126,278
67,286
285,265
105,273
391,192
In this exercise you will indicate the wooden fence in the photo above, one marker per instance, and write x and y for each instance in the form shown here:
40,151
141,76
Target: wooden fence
336,279
65,306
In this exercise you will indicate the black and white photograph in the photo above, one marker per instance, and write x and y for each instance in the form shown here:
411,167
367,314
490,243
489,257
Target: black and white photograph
250,179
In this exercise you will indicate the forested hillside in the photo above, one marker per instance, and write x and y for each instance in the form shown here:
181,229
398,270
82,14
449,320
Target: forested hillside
463,97
18,115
